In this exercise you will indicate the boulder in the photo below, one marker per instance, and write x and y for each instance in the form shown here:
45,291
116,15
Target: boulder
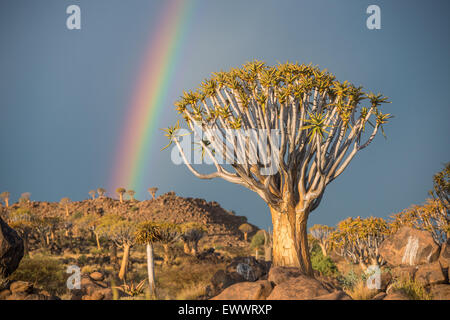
404,272
444,258
336,295
248,267
18,287
11,249
299,288
396,295
430,274
409,246
380,296
441,292
281,274
258,290
97,276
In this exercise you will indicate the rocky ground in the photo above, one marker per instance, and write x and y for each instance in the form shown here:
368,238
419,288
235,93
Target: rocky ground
416,267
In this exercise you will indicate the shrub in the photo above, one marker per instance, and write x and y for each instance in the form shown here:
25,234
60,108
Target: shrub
413,289
43,272
322,263
257,240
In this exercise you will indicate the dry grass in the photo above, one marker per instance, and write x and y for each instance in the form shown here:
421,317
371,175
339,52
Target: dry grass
413,289
192,292
360,291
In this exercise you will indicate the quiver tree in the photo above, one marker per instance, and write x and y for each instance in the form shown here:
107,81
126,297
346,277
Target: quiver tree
92,193
169,233
122,233
322,234
358,240
23,221
309,127
65,204
131,194
191,233
101,192
25,198
152,192
245,228
120,192
4,196
148,233
94,226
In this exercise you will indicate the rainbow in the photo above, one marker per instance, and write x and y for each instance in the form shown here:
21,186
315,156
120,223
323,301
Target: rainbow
157,73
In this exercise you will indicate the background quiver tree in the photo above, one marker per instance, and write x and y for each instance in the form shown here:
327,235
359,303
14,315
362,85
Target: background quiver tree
25,198
93,225
262,239
92,193
191,234
245,228
169,233
64,202
152,192
122,232
131,194
322,234
120,192
4,196
321,124
148,233
101,192
434,214
358,240
24,222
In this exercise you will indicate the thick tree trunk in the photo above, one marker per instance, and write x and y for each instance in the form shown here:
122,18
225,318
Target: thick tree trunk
324,250
245,236
151,269
7,202
194,250
268,253
124,265
290,240
186,248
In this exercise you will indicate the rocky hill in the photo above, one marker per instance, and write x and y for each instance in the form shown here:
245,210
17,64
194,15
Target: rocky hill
222,225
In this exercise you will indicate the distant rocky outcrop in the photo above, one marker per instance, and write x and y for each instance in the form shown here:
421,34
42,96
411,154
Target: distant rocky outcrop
11,249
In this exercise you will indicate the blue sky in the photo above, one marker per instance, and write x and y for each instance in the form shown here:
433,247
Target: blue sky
64,94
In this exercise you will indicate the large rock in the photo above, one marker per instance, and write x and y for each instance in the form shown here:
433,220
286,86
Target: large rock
281,274
444,258
396,295
336,295
409,246
11,249
258,290
404,272
300,288
248,267
430,274
441,292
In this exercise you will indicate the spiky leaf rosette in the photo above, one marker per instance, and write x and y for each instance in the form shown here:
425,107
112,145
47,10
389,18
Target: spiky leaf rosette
320,124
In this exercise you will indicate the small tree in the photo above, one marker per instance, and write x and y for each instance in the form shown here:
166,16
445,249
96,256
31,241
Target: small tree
245,228
122,232
148,233
131,193
65,204
24,222
93,225
25,198
120,192
92,193
191,233
358,240
101,192
152,192
4,196
169,233
322,234
309,128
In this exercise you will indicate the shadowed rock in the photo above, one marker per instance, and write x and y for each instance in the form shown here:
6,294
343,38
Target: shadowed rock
11,249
